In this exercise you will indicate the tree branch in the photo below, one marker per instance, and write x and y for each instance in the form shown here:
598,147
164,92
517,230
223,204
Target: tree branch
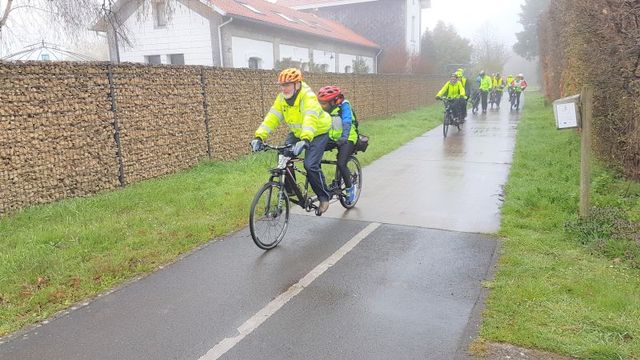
31,7
7,10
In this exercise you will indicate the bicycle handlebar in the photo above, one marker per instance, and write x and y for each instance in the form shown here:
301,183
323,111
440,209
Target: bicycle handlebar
271,147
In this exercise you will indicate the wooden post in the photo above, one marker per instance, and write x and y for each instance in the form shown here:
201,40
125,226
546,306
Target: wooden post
585,148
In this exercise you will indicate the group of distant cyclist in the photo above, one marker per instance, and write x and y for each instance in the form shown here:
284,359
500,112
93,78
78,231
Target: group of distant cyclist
488,91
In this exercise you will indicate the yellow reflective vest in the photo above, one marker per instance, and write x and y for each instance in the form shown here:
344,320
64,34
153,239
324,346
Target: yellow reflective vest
452,91
305,118
498,83
336,124
486,83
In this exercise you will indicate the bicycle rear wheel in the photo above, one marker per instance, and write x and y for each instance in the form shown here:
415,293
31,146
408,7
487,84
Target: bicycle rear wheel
269,216
356,179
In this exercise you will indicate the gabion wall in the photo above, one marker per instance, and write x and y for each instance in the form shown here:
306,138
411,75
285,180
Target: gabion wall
74,129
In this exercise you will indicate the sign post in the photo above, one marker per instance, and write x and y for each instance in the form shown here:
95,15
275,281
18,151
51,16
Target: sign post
575,112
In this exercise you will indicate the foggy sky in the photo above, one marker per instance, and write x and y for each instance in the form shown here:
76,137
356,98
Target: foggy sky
470,17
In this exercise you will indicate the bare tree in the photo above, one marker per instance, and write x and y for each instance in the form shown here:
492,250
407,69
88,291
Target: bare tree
360,66
69,15
70,18
489,54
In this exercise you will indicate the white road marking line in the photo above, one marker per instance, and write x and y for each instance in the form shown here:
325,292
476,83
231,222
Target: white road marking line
261,316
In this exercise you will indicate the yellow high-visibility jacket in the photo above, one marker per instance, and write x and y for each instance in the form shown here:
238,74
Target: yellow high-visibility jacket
452,91
305,118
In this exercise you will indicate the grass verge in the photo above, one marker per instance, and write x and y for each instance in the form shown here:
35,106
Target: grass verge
563,284
54,255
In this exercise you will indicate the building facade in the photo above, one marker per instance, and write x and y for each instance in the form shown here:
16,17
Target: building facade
248,33
395,25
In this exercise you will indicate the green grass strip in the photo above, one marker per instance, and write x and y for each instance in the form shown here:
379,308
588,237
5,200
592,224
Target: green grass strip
553,291
54,255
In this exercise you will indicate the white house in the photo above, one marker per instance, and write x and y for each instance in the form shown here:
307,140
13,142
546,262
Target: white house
233,33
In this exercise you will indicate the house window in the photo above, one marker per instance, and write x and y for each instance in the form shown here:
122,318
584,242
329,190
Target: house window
176,59
45,57
160,11
347,69
251,8
324,67
255,63
152,59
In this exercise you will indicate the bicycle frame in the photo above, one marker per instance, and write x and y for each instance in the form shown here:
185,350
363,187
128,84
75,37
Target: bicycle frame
285,172
448,111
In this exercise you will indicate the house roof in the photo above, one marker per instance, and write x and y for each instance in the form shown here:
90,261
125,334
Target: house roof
312,4
282,16
275,15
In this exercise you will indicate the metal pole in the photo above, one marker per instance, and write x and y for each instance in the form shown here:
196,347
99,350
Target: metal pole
115,35
203,82
116,126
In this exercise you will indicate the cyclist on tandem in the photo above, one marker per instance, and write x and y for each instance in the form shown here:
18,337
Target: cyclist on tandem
311,128
298,106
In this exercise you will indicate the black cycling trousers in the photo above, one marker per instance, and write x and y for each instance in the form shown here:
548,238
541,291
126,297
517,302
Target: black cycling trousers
498,97
484,95
343,156
312,159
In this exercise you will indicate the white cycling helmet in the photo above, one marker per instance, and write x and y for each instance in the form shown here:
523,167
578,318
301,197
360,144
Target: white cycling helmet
520,75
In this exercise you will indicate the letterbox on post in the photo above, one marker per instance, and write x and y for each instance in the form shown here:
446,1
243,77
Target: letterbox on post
576,112
567,112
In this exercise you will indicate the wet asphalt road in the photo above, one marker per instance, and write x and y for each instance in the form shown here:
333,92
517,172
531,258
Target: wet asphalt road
451,183
410,289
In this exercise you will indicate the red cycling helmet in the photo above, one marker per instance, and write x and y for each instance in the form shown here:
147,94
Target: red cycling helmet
328,93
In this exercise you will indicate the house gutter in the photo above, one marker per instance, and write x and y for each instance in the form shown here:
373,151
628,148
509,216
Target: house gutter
377,68
220,39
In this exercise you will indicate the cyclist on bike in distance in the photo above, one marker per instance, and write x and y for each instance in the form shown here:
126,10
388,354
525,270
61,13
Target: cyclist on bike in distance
519,85
467,89
508,84
498,85
453,89
486,84
343,133
298,106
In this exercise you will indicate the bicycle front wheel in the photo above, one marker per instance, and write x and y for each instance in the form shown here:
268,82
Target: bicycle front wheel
269,216
445,125
356,180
